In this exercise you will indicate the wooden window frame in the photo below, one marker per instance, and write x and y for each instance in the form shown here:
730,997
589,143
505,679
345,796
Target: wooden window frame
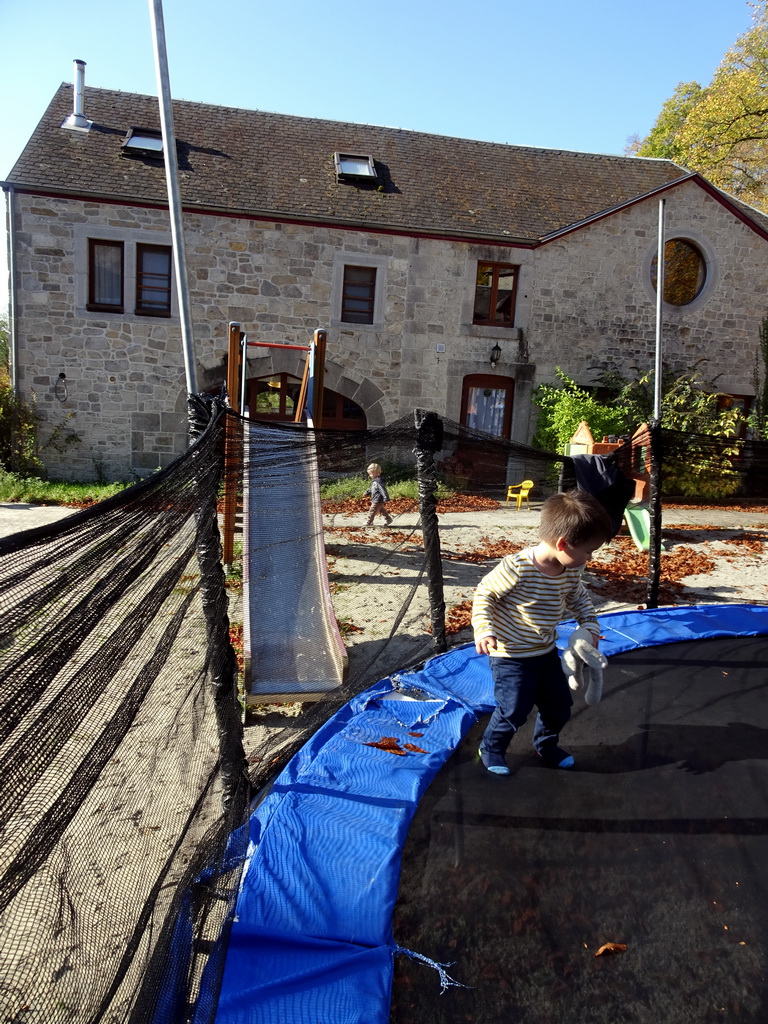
165,311
281,414
496,267
335,419
494,383
104,307
346,312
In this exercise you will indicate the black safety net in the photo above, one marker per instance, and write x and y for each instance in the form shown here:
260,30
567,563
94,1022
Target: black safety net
631,888
122,779
134,729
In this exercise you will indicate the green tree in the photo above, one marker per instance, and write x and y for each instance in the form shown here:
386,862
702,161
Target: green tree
721,130
664,139
689,404
18,419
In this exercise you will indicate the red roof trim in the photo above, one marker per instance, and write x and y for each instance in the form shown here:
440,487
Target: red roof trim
275,219
725,201
693,177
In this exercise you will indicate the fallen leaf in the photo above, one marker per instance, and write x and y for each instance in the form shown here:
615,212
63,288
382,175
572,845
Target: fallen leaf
390,744
611,947
414,748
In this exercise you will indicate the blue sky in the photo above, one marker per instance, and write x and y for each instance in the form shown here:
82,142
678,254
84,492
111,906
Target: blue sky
526,72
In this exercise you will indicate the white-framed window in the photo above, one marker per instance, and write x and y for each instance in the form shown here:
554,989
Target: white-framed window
354,167
144,142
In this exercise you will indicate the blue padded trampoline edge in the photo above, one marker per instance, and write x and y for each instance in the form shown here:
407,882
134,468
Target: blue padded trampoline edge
338,765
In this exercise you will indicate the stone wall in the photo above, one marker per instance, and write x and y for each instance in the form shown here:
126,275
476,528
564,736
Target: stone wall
584,300
594,305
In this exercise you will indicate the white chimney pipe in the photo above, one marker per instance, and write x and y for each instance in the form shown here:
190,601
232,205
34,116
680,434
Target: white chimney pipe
77,120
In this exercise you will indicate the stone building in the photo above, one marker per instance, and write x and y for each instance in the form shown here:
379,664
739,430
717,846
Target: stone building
450,274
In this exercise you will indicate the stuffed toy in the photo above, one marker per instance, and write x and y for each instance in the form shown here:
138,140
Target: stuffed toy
583,664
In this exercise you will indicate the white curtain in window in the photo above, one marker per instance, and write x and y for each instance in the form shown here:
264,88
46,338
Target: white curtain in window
485,410
108,273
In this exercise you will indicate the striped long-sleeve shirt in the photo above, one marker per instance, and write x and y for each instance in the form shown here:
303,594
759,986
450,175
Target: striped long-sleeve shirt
521,606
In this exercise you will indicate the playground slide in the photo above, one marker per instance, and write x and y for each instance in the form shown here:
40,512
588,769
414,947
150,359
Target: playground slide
292,647
638,521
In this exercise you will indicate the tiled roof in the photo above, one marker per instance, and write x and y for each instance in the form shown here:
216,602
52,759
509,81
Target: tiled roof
251,162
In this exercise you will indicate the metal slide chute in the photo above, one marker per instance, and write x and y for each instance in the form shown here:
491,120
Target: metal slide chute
291,642
292,647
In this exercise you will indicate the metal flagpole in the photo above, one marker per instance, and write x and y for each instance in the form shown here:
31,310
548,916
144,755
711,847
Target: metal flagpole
174,196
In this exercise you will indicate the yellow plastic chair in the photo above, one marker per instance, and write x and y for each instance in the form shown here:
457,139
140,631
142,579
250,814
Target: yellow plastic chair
519,492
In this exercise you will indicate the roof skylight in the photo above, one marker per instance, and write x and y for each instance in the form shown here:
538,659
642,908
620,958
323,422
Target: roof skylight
147,142
354,166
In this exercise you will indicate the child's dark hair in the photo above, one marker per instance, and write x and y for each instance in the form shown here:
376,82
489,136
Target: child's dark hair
575,515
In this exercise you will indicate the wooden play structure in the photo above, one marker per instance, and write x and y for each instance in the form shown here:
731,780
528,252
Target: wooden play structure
636,465
309,404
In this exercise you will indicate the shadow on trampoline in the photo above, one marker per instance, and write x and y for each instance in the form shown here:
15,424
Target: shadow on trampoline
658,839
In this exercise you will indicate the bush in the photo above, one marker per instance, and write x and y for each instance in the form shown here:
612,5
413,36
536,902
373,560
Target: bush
18,429
563,408
354,486
689,403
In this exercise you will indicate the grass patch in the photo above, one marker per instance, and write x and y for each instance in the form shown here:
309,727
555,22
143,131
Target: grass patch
354,487
233,579
32,491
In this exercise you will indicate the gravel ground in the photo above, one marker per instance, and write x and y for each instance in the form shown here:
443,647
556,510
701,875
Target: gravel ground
711,554
723,550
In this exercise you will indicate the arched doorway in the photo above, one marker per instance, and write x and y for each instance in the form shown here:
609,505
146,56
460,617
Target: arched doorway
273,398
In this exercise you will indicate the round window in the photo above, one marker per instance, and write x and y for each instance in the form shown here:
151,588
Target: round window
685,271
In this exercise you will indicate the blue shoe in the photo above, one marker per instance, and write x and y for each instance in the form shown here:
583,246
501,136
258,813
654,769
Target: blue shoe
495,763
556,758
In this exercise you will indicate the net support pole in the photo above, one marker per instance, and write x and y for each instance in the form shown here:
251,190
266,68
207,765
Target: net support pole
222,660
659,316
231,462
429,439
654,551
654,510
318,376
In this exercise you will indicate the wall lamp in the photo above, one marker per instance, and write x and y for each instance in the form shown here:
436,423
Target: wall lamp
495,355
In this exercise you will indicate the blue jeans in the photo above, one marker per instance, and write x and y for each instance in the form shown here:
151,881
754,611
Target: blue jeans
518,685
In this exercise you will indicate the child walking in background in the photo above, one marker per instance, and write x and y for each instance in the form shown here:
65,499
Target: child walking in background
379,495
515,614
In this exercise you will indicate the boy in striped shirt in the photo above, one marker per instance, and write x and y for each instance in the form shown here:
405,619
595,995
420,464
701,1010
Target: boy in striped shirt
515,614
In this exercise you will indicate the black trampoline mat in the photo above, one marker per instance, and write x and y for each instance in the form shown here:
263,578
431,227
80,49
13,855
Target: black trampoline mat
658,839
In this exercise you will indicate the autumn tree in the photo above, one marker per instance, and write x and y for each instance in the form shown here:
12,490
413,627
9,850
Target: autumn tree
721,130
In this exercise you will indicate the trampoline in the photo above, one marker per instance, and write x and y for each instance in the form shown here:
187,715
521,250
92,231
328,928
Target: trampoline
657,841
